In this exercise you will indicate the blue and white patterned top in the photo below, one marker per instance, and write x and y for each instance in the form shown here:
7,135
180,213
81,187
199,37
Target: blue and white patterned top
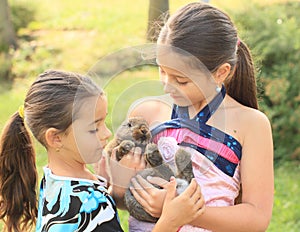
69,204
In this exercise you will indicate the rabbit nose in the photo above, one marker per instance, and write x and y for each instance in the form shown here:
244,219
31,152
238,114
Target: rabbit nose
144,130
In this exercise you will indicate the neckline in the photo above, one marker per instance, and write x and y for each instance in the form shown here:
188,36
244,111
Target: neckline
99,181
205,113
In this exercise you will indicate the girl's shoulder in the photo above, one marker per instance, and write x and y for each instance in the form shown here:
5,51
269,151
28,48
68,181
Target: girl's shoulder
254,116
153,109
254,125
246,122
248,115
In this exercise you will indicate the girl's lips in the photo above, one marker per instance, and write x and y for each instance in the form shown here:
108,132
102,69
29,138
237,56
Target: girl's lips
102,147
174,96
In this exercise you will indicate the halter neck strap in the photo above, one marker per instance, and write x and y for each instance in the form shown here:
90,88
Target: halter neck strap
205,114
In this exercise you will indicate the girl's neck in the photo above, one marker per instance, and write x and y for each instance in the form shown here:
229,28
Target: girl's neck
197,107
72,169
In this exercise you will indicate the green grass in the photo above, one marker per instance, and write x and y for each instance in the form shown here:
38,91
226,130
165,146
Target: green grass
75,35
286,213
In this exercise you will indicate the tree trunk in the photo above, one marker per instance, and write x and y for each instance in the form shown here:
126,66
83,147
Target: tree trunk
157,15
7,33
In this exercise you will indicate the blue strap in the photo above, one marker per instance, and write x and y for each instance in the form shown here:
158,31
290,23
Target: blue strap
204,115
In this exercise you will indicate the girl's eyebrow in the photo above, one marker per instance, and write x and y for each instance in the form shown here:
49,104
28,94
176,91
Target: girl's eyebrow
176,73
98,120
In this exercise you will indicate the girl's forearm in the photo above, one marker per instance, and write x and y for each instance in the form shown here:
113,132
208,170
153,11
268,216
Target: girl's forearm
242,217
163,225
118,193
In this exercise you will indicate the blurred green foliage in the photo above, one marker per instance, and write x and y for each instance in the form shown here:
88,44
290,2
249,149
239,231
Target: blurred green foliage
21,14
72,35
273,34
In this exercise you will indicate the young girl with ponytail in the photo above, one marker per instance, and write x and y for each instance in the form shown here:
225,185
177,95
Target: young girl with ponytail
66,113
209,74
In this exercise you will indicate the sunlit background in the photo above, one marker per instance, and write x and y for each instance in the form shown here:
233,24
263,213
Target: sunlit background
74,35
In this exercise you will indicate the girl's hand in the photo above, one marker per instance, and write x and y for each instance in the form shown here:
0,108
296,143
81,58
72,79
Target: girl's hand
180,210
189,205
127,167
101,168
150,197
121,172
134,160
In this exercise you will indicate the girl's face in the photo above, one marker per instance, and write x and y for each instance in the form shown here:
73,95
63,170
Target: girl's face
184,90
184,77
88,135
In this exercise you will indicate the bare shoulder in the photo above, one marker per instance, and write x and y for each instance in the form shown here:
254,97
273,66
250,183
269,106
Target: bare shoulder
254,118
244,123
256,128
154,110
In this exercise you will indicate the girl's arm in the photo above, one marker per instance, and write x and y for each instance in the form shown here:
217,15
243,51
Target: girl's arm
255,211
180,210
154,111
121,173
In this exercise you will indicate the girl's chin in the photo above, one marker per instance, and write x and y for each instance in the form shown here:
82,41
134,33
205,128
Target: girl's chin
181,103
92,160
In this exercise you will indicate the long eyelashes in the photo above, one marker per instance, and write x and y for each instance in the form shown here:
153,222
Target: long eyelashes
94,131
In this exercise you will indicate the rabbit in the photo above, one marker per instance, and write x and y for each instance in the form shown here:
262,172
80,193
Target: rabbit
158,168
133,132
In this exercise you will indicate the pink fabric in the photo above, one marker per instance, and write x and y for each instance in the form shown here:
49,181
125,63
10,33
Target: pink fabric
184,134
217,188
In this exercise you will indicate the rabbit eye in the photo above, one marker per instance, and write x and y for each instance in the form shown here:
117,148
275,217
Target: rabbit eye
129,124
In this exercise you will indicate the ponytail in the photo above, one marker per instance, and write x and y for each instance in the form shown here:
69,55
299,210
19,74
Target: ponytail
18,177
242,85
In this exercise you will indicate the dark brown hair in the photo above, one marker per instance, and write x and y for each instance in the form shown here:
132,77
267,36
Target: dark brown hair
53,100
209,34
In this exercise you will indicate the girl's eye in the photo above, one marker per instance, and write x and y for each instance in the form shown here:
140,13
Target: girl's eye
94,131
182,83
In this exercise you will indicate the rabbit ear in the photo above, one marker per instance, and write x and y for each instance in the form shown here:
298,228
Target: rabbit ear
181,185
184,165
152,155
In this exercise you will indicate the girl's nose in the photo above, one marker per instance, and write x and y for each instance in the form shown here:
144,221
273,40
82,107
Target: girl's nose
168,87
106,134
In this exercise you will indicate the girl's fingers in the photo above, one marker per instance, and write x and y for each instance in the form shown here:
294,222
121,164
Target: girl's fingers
200,211
197,194
152,198
190,190
197,200
158,181
102,163
139,189
142,196
171,190
113,154
137,196
139,159
136,158
144,183
137,153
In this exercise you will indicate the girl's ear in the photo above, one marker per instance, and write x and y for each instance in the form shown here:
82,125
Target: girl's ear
222,73
53,138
